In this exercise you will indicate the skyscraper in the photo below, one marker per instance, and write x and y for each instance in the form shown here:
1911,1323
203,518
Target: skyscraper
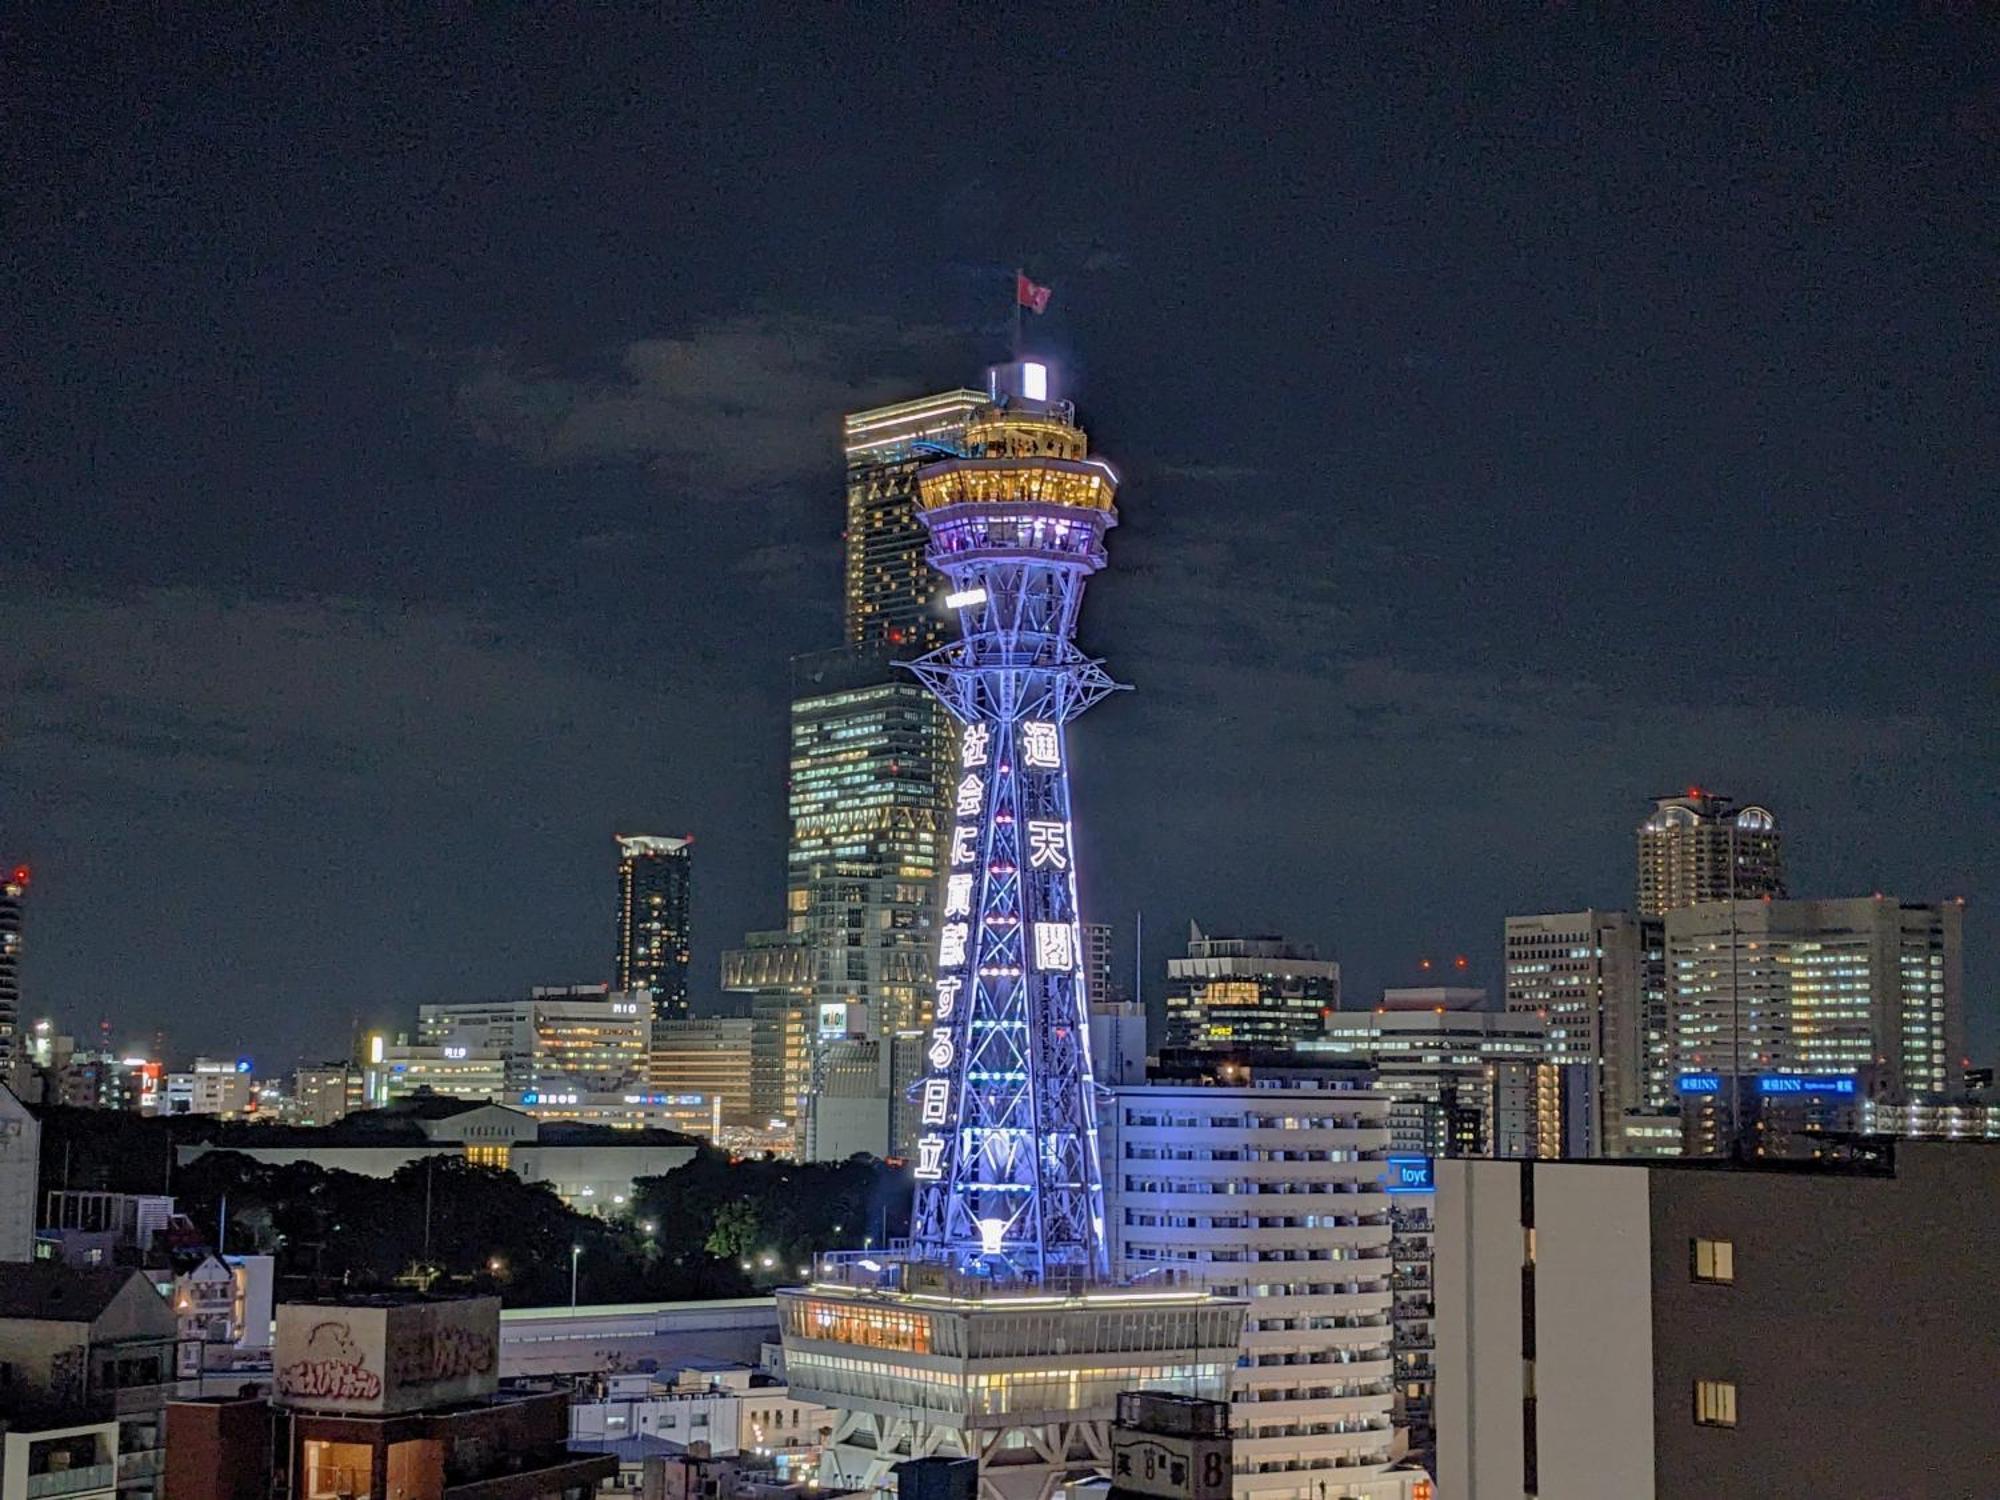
13,893
1248,992
891,594
868,754
1702,847
653,889
1006,1277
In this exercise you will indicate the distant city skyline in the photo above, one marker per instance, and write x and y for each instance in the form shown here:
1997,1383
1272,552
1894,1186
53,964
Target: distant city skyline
429,481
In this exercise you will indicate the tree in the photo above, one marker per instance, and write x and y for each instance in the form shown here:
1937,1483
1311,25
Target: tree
736,1231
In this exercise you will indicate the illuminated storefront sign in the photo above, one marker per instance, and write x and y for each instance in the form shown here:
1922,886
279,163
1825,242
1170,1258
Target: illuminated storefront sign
1699,1083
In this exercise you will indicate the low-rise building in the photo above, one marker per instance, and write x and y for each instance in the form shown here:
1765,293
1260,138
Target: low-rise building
591,1167
382,1396
88,1349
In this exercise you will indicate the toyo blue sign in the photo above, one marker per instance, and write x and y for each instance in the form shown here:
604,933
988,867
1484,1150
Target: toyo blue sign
1409,1174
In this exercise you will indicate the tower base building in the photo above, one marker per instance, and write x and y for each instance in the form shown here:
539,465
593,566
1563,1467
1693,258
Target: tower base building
921,1361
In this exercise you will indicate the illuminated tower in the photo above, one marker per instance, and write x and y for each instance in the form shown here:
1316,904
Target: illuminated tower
1007,1169
997,1332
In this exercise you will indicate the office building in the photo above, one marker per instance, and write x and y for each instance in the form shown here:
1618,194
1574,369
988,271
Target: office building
1248,992
382,1396
320,1095
867,757
453,1069
711,1057
773,972
1869,986
13,896
998,1334
574,1039
216,1086
892,597
655,882
1702,847
1276,1192
1454,1078
1718,1330
1598,981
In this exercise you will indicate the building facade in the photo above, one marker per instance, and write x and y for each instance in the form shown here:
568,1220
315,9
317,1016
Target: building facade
585,1039
655,891
1871,985
1248,992
13,897
1276,1194
709,1057
1703,847
1718,1331
1453,1078
1597,979
891,595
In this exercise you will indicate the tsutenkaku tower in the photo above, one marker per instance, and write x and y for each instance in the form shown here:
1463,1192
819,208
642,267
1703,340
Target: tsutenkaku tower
1008,1180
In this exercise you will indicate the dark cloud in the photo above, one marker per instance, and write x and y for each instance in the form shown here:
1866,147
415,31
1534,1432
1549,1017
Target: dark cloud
737,405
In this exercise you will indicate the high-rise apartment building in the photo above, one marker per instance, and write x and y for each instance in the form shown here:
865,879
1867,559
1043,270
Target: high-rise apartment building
1276,1193
13,894
1871,986
654,884
1703,847
1248,992
892,593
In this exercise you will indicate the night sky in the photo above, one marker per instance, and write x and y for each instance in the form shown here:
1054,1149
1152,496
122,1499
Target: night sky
421,456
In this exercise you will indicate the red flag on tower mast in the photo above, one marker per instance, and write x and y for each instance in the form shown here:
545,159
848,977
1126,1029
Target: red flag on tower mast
1027,294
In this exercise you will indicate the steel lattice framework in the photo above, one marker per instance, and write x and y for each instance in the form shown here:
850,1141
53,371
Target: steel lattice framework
1008,1177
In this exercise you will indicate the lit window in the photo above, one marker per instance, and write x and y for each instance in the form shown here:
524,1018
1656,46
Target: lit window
1714,1260
1715,1403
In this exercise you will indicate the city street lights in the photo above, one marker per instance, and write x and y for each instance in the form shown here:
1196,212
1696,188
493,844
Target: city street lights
575,1255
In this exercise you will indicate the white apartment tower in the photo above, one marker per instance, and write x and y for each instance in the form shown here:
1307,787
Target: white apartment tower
1277,1194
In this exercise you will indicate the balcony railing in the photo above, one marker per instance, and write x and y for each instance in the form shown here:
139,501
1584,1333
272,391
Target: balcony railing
72,1481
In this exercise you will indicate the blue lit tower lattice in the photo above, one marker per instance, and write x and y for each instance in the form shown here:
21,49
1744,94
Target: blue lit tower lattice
1008,1179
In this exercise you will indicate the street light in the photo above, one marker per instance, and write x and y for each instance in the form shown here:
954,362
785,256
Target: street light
575,1255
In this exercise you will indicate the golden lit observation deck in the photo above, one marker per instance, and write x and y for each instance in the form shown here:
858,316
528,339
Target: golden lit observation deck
1078,484
1031,453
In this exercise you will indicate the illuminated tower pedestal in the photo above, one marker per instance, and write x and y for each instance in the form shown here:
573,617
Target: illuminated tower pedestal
997,1333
